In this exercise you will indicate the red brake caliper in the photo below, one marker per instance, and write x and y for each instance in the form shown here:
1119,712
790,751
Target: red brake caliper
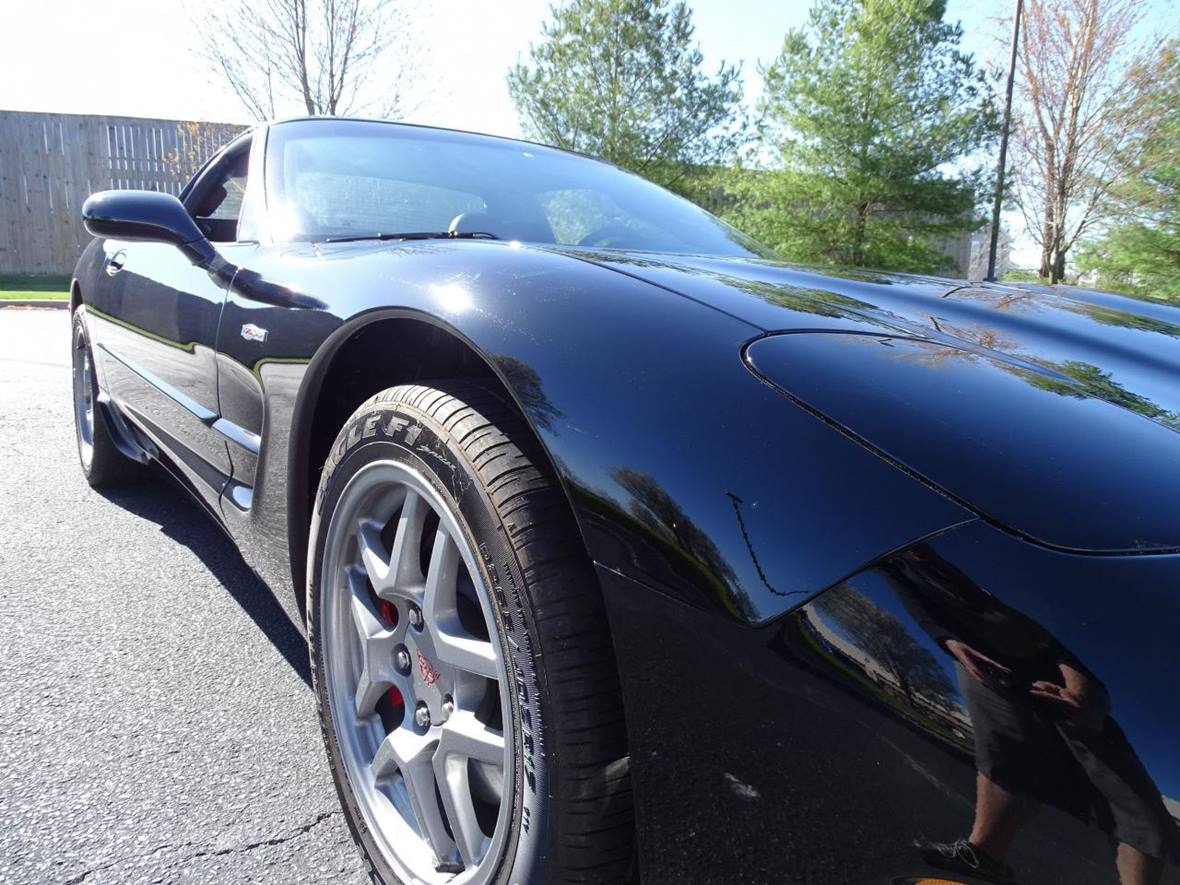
388,612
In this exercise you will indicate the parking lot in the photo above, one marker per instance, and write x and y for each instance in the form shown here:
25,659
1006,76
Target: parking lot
156,719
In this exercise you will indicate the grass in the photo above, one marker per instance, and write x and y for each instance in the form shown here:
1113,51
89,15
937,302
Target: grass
34,287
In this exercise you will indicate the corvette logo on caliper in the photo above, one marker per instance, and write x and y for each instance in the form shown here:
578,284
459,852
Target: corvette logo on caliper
429,674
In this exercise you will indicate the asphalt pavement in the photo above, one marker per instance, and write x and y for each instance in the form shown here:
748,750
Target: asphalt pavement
156,718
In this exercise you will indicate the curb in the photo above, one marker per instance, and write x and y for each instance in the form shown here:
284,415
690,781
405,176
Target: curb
58,303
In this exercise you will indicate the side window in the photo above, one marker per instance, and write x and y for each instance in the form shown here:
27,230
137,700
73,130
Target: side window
216,203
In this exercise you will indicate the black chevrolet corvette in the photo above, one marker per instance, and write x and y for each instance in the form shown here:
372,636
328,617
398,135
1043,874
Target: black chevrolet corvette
629,553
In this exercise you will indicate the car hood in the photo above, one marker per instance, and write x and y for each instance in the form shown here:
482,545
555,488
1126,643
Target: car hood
1052,411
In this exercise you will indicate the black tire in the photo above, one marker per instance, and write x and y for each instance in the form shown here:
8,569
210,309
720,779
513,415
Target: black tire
572,790
103,465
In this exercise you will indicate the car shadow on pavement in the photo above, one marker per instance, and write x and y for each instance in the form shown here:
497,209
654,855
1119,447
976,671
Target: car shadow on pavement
183,520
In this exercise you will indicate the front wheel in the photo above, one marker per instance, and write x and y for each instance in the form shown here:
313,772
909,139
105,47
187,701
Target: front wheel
464,675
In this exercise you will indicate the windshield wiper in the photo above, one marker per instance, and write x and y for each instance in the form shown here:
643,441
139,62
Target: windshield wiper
417,235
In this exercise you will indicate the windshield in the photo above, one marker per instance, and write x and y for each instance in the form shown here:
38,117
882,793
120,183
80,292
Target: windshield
349,178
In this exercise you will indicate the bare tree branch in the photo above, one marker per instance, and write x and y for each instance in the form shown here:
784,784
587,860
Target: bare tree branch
1081,71
321,56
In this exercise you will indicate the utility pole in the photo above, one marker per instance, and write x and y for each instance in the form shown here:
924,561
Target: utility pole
991,254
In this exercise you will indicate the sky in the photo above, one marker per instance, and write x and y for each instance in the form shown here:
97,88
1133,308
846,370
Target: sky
139,57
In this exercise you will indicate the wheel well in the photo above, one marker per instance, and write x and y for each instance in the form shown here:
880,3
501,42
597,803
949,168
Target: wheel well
378,355
75,295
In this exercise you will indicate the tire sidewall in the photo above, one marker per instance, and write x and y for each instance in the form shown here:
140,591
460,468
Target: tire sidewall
389,431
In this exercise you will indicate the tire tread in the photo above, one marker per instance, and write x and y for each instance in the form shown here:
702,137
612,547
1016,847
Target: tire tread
594,823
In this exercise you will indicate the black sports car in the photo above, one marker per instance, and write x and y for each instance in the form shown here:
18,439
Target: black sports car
629,553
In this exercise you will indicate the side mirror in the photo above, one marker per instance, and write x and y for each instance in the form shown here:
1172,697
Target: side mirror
147,215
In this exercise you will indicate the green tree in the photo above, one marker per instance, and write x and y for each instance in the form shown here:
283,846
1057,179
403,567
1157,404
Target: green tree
871,110
622,79
1140,252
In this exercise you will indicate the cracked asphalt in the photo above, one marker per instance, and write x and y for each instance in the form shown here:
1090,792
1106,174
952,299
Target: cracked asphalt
156,719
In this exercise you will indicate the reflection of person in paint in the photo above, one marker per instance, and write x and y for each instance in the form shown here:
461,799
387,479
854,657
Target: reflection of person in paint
1042,725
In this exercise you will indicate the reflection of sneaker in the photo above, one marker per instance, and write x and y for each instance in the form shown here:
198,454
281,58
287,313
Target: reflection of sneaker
963,857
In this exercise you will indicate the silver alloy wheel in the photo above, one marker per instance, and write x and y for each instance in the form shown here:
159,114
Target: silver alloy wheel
83,399
433,776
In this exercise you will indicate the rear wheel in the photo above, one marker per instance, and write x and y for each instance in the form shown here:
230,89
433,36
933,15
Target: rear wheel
103,464
465,679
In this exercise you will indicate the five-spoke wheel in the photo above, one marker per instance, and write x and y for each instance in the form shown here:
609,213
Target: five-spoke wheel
463,668
415,675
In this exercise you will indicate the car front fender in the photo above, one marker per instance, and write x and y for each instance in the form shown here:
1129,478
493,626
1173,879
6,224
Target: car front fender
685,471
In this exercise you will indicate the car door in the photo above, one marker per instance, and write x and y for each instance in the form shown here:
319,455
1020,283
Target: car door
159,315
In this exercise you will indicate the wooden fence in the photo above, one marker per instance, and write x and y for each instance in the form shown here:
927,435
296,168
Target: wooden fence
50,163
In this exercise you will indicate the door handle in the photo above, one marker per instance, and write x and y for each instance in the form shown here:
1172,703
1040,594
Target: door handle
115,262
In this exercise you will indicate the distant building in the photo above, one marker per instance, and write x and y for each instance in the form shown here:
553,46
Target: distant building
980,244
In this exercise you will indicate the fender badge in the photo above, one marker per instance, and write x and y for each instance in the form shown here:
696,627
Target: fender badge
252,332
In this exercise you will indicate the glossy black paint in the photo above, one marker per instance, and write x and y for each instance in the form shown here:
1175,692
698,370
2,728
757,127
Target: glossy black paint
840,734
717,504
147,215
932,404
155,327
647,456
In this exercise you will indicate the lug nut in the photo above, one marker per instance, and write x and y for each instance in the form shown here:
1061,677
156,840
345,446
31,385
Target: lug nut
414,614
402,659
422,715
448,706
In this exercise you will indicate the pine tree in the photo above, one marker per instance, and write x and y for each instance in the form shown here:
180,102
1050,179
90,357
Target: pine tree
871,110
622,79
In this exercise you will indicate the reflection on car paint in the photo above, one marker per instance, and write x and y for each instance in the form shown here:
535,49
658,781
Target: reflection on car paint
1038,719
969,688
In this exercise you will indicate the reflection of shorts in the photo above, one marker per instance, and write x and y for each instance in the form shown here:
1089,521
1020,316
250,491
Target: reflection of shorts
1097,777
